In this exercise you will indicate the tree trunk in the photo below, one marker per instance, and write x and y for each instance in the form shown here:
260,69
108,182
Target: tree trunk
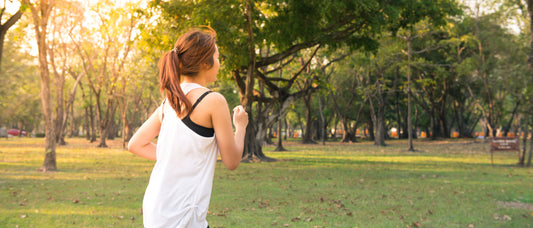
112,130
279,133
409,96
59,81
261,125
370,129
378,119
60,127
513,114
106,123
103,136
252,148
530,64
379,126
287,129
341,115
60,110
402,134
461,122
89,116
87,124
323,124
69,111
127,123
433,125
92,120
268,136
345,130
530,152
522,154
41,15
74,128
307,136
443,123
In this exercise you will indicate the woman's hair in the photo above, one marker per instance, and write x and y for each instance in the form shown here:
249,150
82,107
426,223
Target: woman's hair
192,52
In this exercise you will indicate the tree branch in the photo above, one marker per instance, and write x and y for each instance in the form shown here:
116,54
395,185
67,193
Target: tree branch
293,78
280,67
281,56
11,21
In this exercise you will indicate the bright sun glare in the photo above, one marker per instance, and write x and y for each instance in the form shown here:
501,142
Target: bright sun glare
10,6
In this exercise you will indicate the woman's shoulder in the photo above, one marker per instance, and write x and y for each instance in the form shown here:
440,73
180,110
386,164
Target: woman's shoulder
207,98
215,99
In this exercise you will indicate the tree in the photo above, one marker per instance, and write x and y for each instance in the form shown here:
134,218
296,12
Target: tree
136,91
6,25
489,62
19,90
381,82
104,50
289,28
41,15
64,20
429,75
346,89
309,83
522,13
530,64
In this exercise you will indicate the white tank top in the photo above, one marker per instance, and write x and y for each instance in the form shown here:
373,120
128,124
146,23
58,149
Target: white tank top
179,189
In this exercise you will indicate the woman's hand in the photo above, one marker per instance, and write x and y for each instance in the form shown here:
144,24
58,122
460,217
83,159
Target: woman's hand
240,117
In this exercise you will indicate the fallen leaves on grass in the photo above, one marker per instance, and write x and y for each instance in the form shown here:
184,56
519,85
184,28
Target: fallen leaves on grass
414,224
516,205
503,217
263,204
222,213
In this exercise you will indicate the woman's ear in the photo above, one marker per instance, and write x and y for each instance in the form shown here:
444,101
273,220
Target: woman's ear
205,66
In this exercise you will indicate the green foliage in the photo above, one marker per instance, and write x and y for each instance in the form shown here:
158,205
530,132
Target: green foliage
227,88
20,105
369,31
281,24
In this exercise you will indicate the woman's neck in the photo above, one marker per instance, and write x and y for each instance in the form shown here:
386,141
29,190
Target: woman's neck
196,80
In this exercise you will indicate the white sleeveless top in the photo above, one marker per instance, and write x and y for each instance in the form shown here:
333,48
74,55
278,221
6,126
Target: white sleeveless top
180,185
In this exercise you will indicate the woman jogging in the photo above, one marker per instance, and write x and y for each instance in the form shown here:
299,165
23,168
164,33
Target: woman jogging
193,124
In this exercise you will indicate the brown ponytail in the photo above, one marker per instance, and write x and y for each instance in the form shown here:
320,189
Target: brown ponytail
192,50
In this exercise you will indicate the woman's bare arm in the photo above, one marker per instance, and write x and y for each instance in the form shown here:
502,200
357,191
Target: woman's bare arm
141,142
231,145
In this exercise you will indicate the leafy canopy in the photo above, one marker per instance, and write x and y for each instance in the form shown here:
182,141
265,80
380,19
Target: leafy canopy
289,26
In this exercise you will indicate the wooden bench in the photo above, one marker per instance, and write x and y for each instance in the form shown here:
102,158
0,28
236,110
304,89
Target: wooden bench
503,144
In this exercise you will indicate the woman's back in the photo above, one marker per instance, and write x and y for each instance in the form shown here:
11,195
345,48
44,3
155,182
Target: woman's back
186,151
180,185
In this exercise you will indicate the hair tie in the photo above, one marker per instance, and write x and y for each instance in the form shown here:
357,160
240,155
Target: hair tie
175,50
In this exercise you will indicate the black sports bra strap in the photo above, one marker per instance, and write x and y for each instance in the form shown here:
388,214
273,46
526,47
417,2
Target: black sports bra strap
198,101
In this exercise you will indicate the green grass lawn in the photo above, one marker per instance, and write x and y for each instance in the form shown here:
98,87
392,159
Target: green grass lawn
447,183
